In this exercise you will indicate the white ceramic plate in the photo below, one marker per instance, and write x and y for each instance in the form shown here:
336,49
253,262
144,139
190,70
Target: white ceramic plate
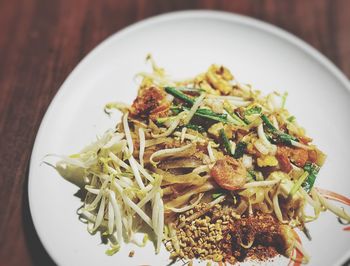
186,43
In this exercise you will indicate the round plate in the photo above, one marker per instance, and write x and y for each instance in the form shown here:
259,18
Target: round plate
185,44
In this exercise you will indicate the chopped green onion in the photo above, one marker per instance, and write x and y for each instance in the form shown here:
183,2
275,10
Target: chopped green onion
259,176
298,184
234,197
312,169
246,121
284,98
240,149
203,112
267,122
279,135
207,113
235,118
190,89
176,109
198,128
114,249
226,142
145,240
251,175
161,120
216,195
178,94
253,110
291,119
286,138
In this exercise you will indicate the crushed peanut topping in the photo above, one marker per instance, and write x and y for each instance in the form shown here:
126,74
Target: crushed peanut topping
222,235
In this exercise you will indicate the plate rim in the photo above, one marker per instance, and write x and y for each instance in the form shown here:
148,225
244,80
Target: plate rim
169,16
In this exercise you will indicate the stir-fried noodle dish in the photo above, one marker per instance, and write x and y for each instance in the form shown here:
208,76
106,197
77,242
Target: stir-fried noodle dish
213,169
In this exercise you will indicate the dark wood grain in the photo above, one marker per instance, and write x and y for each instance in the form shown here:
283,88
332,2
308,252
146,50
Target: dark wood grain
40,43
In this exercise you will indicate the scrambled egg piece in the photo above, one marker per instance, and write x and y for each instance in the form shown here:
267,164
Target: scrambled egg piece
267,161
219,77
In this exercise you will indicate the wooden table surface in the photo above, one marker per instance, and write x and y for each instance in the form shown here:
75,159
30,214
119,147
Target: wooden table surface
41,41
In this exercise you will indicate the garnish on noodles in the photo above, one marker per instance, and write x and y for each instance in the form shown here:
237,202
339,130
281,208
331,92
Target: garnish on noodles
213,168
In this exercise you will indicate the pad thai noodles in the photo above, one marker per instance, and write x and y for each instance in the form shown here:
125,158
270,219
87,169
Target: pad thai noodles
213,169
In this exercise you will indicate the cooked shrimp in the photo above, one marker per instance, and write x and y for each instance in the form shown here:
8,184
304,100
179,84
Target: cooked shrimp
229,173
